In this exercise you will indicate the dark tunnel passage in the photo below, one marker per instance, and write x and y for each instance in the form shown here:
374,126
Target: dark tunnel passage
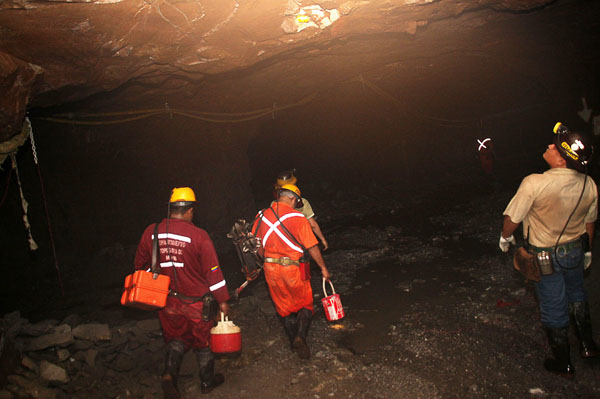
384,131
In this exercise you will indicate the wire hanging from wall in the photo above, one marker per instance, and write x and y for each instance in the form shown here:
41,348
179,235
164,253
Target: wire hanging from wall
9,173
103,118
476,122
39,172
24,205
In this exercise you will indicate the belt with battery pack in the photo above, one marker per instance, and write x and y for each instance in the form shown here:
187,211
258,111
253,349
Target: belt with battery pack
561,248
283,261
209,302
186,298
544,258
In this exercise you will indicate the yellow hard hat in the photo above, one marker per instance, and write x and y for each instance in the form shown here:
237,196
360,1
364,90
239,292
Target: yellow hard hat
293,188
296,191
182,196
286,177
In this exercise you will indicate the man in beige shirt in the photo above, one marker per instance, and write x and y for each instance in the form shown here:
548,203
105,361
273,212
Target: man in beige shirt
557,208
287,177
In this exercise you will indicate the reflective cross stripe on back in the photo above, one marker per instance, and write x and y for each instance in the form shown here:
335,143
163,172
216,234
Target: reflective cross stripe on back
273,227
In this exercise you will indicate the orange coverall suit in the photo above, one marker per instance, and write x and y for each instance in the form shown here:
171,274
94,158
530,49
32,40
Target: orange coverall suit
289,292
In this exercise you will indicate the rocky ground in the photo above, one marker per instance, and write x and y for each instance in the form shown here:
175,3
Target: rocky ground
433,310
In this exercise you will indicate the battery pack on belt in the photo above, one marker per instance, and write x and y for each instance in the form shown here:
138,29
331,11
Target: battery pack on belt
568,246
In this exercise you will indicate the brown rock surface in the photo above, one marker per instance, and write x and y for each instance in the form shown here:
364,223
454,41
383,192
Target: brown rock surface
56,52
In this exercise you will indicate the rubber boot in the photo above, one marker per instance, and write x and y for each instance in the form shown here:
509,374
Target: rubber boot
290,324
206,363
559,344
580,311
299,345
175,351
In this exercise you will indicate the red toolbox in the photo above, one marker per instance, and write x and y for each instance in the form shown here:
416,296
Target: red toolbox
143,291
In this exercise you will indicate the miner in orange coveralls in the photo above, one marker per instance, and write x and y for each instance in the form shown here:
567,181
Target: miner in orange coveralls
188,257
286,237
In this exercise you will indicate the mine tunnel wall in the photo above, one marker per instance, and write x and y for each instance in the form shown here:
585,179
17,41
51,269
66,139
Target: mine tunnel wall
104,184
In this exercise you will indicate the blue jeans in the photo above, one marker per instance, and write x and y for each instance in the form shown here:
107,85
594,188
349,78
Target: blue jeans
557,290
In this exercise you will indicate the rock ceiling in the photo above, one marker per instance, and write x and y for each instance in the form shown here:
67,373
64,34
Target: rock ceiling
54,52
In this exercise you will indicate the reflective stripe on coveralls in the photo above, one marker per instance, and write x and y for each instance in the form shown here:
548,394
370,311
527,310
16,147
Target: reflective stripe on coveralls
215,287
288,291
173,236
179,237
273,227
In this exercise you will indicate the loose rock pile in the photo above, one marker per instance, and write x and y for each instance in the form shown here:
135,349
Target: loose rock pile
57,359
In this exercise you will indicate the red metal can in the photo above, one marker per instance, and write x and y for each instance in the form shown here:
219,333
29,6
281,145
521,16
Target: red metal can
332,304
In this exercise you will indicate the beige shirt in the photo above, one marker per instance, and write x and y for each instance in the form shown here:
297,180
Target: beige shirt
544,202
306,210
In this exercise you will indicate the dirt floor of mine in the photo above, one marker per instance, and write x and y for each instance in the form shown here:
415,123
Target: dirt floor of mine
433,310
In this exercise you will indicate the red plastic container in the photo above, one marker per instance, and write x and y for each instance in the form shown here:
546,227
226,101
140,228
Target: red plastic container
143,291
225,337
332,304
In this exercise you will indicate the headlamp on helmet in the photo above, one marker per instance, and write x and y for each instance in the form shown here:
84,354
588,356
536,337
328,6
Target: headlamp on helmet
575,148
286,177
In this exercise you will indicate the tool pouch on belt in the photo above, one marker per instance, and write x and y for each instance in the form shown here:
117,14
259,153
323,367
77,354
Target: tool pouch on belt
527,263
210,307
305,266
532,264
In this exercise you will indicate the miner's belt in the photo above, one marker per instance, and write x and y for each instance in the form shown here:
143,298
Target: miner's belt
283,261
562,248
191,299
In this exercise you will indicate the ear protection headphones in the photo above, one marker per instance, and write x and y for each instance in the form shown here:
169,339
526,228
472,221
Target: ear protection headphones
298,202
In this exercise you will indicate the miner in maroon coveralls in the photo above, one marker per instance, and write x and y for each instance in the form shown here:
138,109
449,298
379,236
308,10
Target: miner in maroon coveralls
188,257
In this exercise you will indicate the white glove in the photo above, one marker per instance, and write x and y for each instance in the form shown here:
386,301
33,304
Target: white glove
587,260
504,243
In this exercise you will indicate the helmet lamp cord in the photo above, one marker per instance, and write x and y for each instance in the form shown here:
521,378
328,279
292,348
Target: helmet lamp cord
585,177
